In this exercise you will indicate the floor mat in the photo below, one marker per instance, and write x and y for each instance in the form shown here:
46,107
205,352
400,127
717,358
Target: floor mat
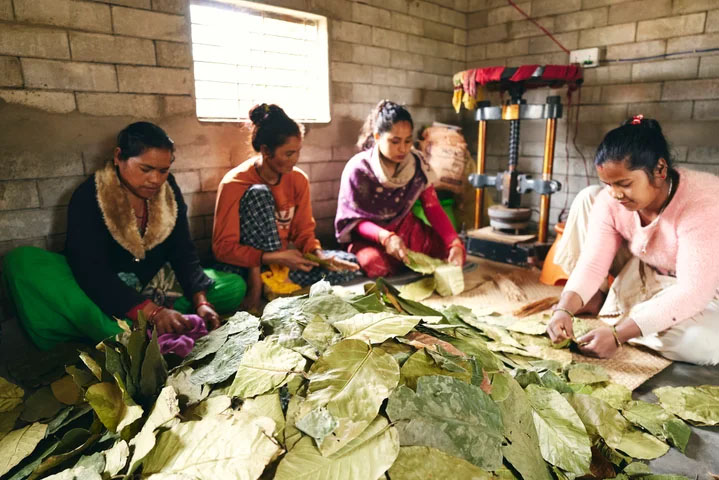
496,287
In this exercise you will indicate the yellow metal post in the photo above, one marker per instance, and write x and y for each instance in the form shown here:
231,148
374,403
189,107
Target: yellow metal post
549,138
481,160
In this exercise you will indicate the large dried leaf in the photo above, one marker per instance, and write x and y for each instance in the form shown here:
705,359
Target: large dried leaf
265,366
318,424
166,410
421,263
422,364
67,417
18,444
188,392
699,405
41,405
601,419
291,434
320,335
79,472
208,344
107,400
522,446
211,406
10,395
376,327
116,458
450,415
214,448
92,365
228,357
421,340
449,280
369,303
66,390
72,445
366,457
614,394
283,310
268,405
422,463
392,296
587,373
153,372
658,422
83,378
329,308
8,420
351,380
419,290
563,439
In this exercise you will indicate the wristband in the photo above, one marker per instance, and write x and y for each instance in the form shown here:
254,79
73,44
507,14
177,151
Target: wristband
204,303
151,318
616,336
457,242
562,309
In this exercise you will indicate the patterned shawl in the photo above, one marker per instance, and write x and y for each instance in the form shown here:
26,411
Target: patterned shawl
369,192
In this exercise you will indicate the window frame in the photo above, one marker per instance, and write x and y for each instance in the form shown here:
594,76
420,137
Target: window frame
320,79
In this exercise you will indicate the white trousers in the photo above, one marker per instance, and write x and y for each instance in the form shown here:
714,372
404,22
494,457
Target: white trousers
694,340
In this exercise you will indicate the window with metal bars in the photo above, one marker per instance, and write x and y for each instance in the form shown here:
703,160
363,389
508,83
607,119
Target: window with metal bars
246,53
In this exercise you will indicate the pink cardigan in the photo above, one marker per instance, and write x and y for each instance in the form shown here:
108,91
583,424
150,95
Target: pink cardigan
683,241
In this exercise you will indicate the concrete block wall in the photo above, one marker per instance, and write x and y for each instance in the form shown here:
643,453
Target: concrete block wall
681,91
75,72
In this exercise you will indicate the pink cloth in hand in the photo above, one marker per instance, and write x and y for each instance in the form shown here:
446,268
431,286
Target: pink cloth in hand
181,344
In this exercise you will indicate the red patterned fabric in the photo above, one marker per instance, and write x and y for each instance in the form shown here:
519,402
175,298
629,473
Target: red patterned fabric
415,234
523,72
569,74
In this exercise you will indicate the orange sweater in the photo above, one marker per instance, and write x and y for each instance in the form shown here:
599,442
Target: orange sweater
293,214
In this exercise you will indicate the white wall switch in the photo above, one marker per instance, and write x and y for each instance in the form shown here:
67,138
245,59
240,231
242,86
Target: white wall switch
587,57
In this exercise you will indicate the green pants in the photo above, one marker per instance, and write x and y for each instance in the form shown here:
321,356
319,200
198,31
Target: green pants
53,308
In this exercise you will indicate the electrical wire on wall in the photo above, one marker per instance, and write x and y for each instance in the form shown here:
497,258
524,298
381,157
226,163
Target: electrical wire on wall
575,122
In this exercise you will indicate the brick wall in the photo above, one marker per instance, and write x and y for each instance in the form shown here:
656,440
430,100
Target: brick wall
75,72
682,92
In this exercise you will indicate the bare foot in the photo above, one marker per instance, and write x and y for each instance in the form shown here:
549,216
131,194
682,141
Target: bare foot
594,304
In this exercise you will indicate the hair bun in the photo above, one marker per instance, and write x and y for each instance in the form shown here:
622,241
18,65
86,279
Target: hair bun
259,113
641,120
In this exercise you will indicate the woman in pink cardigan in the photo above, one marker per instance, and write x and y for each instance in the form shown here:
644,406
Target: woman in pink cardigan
655,229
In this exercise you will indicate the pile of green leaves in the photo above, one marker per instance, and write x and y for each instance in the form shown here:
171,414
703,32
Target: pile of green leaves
357,387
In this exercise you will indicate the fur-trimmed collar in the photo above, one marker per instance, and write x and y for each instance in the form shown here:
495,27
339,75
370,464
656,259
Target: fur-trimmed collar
119,215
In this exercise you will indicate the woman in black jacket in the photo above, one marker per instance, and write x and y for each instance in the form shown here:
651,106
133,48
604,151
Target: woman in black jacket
125,223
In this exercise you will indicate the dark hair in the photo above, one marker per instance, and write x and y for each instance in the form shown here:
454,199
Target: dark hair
639,142
137,137
380,120
271,127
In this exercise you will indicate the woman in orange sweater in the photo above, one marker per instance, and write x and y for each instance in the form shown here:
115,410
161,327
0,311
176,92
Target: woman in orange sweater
263,206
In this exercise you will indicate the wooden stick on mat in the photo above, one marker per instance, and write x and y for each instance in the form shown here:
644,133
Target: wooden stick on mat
536,307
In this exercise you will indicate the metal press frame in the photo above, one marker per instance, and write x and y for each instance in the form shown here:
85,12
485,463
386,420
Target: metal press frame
511,183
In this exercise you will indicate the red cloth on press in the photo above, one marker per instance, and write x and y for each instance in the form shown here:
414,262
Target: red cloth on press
489,74
568,73
524,72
